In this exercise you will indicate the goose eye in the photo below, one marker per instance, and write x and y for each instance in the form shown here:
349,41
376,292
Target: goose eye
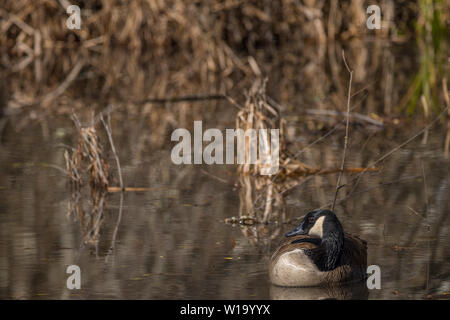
311,220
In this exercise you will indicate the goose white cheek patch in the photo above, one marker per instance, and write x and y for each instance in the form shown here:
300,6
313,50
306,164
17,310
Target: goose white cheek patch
317,229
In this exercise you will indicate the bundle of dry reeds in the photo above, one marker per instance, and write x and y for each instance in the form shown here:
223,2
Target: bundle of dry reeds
87,158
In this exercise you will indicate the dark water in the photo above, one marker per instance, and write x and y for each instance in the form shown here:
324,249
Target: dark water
172,241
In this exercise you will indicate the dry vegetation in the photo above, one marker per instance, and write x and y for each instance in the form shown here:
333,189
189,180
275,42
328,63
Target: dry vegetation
128,51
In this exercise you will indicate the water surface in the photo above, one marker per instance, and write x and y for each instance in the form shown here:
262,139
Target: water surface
172,241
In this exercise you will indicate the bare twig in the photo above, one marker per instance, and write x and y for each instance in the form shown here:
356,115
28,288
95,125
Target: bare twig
338,184
420,216
215,177
111,142
62,170
76,120
353,115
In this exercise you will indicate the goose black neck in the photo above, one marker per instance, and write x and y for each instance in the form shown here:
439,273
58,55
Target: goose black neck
332,243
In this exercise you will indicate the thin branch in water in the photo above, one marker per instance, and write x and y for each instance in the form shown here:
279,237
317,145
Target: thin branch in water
357,117
420,216
111,142
346,133
430,125
415,212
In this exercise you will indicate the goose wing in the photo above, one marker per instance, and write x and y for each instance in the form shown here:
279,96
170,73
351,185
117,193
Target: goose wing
355,251
303,242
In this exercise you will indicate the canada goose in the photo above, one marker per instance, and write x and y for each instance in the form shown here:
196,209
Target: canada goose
317,252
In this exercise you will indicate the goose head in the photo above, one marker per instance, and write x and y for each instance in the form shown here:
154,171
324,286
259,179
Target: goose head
325,226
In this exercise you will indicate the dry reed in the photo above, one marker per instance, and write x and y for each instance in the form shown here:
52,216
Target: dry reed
88,157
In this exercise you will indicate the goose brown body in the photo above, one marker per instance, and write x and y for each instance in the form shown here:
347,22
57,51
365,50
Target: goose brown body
298,263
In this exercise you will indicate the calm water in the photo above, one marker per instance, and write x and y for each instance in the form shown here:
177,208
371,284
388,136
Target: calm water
171,240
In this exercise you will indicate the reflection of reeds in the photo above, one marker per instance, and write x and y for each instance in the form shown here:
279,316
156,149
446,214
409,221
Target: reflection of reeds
259,200
90,220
